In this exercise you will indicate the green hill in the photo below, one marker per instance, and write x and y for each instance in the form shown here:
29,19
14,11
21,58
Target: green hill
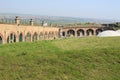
89,58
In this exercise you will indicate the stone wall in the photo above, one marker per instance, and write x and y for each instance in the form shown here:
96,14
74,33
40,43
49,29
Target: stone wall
10,33
80,31
20,33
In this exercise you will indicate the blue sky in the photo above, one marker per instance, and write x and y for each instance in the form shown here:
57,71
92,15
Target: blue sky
101,9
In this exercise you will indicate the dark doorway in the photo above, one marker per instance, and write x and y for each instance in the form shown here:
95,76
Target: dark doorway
20,37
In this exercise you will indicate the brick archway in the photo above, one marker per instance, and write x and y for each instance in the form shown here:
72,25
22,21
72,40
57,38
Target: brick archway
80,33
11,38
21,37
35,37
28,37
50,34
90,32
41,36
71,33
46,35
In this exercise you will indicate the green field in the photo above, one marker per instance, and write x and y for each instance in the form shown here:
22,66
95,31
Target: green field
89,58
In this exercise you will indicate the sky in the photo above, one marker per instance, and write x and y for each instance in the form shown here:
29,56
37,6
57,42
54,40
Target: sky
100,9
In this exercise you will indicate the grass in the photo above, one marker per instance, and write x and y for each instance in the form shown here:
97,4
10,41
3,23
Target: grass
90,58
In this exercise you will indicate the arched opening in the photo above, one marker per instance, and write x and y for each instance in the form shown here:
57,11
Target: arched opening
35,37
70,33
90,32
80,33
55,34
0,40
50,35
11,38
41,36
20,37
98,31
28,37
45,35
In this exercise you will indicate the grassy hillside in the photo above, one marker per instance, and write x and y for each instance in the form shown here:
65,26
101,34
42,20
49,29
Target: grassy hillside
65,59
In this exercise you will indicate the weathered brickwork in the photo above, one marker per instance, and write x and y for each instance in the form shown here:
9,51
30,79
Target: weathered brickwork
80,31
20,33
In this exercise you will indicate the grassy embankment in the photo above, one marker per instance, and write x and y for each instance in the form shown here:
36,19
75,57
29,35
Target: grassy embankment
66,59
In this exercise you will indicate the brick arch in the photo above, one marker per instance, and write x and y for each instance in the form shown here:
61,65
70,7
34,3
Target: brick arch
12,37
49,34
21,36
70,32
13,33
28,32
35,36
28,37
41,36
80,32
41,33
90,32
45,35
98,31
52,34
36,33
1,38
21,33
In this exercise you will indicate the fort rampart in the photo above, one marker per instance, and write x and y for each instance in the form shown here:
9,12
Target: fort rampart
10,33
